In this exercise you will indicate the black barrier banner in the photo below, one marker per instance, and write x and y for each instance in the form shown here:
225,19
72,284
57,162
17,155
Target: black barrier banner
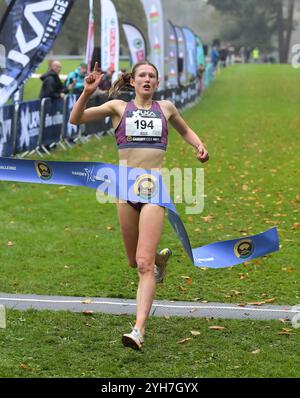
51,120
103,125
35,124
28,126
70,131
6,130
27,34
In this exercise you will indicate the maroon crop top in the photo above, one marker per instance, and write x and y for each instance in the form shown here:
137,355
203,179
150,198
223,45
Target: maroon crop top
141,128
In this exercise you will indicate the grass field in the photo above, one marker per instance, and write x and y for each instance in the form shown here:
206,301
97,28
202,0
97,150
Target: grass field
59,240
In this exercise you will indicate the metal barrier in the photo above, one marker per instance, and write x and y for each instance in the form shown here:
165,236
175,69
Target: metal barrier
36,126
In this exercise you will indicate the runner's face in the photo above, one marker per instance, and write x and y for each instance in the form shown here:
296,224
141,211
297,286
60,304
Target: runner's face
145,80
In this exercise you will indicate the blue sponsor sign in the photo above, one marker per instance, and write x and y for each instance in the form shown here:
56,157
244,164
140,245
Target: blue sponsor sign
28,126
51,120
70,131
6,130
191,53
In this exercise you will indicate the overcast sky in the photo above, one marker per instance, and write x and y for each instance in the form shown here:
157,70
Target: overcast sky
203,19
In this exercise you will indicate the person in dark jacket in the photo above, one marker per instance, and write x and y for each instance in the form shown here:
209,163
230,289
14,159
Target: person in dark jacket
52,86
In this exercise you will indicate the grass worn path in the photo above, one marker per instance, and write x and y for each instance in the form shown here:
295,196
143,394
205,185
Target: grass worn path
59,240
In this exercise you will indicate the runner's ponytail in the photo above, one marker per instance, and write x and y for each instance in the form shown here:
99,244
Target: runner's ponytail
123,81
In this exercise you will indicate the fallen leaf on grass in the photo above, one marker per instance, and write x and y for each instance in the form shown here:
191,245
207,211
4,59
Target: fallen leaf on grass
207,219
271,300
184,340
255,351
183,289
195,333
89,301
296,225
243,276
286,331
236,293
217,327
10,243
287,269
257,303
24,366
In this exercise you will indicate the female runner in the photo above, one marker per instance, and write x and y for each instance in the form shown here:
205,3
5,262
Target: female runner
142,145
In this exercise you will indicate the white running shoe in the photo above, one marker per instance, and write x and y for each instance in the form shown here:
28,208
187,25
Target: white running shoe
160,270
133,340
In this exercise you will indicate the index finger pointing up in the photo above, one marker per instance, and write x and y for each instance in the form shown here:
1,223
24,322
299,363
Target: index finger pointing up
96,69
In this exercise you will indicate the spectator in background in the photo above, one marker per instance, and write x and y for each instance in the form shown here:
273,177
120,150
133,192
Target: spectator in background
52,86
223,54
215,56
106,82
50,62
180,63
231,53
248,54
75,80
200,73
256,55
265,59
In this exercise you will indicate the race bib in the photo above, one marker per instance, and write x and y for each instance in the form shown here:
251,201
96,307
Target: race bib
143,126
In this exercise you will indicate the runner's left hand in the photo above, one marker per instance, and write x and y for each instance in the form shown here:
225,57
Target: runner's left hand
202,154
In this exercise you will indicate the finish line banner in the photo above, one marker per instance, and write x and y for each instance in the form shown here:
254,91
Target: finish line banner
138,185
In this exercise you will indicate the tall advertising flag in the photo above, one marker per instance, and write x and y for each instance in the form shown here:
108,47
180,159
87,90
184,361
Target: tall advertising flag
136,43
110,38
200,52
27,33
154,13
182,73
172,56
91,37
191,54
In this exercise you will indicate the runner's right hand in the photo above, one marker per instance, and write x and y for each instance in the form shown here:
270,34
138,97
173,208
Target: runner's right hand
92,81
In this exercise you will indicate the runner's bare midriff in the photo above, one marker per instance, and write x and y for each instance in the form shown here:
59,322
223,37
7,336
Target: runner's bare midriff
146,158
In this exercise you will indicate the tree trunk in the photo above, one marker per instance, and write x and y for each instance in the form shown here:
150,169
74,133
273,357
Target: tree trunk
289,29
280,28
285,28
